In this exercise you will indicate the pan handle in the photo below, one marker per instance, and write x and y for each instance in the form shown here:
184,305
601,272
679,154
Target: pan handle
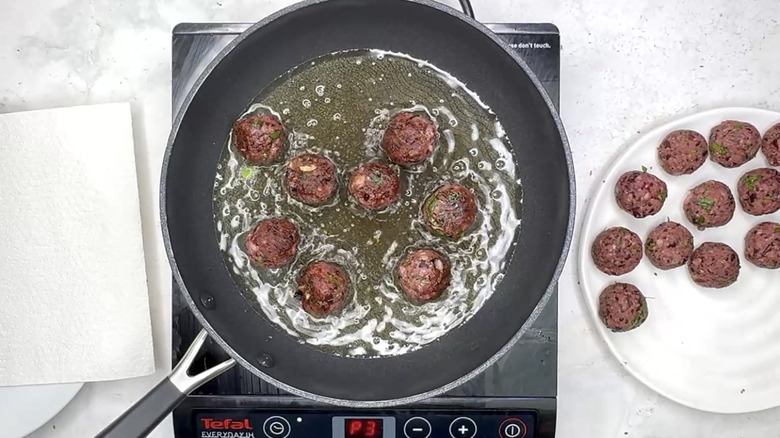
467,9
143,417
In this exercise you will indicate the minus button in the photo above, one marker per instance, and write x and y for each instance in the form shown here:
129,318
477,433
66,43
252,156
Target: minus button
417,427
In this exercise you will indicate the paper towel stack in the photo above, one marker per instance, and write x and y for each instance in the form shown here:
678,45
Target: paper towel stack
73,297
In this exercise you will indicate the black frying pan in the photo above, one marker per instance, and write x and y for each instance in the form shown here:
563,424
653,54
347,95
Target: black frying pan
425,30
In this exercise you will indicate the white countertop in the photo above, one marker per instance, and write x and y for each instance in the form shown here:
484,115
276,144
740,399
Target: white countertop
627,66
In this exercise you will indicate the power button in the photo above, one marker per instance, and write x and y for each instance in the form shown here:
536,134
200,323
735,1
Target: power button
512,428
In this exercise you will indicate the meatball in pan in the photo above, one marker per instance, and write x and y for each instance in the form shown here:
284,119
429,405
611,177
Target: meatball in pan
450,210
424,275
272,243
323,288
311,179
259,138
374,186
410,138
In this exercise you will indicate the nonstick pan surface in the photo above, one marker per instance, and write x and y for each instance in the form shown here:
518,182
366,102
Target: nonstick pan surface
421,29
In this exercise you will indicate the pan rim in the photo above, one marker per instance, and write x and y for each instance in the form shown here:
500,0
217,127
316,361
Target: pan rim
363,403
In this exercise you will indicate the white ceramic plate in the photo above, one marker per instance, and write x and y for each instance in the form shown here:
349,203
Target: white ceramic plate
715,350
24,409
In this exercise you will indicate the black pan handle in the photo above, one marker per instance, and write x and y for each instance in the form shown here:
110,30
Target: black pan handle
467,9
146,414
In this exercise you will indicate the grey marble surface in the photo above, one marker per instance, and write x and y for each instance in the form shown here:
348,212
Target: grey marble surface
627,66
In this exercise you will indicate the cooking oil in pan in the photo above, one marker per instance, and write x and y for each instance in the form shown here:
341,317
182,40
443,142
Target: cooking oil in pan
338,106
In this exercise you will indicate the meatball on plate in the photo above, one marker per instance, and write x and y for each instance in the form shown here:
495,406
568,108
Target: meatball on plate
694,276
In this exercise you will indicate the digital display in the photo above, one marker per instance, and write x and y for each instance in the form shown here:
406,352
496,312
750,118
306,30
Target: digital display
363,428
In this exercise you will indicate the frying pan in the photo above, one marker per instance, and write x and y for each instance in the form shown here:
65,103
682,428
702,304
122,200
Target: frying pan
425,30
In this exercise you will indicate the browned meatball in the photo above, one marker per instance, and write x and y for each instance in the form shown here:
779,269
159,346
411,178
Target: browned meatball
762,245
714,265
669,245
374,186
323,288
682,152
710,204
622,307
450,210
616,251
272,243
771,145
260,139
409,138
734,143
640,193
311,179
759,191
424,275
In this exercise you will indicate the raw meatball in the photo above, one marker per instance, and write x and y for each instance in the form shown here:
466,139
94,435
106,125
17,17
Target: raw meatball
682,152
450,210
669,245
260,139
622,307
616,251
409,138
762,245
640,193
714,265
759,191
424,275
311,179
734,143
771,145
323,288
374,186
710,204
272,243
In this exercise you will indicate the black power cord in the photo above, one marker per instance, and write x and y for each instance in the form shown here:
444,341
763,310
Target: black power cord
466,5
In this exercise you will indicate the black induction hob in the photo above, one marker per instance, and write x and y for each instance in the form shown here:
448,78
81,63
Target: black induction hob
514,398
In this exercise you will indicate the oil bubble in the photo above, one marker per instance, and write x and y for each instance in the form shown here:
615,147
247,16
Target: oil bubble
500,164
473,152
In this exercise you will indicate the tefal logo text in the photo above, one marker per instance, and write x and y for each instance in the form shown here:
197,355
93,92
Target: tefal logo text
226,424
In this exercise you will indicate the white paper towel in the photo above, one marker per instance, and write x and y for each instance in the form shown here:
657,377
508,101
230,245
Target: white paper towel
73,297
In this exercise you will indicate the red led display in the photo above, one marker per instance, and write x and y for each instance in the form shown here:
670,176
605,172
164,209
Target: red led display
363,428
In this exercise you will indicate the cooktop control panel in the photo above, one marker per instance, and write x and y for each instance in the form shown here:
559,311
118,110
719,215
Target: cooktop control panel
363,424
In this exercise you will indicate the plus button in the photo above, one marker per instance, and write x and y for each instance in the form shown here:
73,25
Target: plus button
463,427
